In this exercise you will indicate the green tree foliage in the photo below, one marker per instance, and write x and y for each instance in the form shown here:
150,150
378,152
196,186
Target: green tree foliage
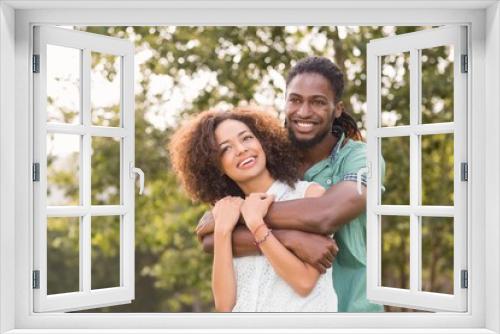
245,65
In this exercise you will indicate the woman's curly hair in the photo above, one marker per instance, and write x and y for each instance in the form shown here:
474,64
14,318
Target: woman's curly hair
195,154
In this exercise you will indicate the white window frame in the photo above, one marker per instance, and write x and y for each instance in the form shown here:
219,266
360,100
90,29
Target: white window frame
16,19
413,43
86,297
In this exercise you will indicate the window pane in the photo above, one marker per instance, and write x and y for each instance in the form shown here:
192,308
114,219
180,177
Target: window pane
63,169
105,170
63,84
105,89
437,84
396,155
105,252
437,169
395,89
395,251
63,262
437,254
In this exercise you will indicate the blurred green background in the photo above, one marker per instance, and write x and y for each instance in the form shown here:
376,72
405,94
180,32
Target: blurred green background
181,71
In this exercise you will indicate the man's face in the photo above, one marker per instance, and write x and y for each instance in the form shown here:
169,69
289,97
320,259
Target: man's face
310,109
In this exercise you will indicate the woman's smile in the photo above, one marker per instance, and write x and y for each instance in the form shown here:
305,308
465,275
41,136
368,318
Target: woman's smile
247,163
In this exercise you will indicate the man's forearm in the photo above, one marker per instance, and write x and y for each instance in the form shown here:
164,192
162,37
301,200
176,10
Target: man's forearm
323,215
244,242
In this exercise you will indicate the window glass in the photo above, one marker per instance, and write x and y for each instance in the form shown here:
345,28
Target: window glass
105,167
105,252
396,181
395,251
63,169
437,84
437,169
63,261
63,84
437,254
395,89
105,89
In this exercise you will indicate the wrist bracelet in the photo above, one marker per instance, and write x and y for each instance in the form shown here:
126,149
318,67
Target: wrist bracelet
258,242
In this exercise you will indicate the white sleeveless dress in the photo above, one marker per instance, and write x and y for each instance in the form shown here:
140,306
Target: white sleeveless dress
260,289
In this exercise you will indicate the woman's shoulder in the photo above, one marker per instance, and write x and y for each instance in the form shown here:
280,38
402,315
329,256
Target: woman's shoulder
300,189
307,189
314,190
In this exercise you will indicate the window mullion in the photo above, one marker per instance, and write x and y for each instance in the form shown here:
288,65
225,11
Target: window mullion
415,172
420,210
101,131
85,232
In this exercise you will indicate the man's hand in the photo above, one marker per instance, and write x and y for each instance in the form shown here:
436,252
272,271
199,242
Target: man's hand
317,250
206,225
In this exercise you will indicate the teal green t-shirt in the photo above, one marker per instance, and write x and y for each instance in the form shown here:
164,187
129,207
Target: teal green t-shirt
349,268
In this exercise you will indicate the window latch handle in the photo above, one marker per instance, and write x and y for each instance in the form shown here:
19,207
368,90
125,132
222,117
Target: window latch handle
137,171
362,171
365,171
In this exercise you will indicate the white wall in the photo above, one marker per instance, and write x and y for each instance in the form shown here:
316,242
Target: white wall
492,171
6,166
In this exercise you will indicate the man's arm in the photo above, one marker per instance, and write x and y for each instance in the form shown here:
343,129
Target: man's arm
317,250
243,242
324,215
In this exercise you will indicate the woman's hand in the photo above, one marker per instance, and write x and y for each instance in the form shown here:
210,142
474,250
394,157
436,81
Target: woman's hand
254,209
226,213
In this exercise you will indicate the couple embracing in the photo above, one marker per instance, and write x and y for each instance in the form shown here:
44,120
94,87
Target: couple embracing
280,196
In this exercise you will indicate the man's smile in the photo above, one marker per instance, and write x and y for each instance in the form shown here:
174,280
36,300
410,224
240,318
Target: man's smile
304,126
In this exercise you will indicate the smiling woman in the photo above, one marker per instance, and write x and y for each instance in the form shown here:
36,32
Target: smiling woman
217,176
249,152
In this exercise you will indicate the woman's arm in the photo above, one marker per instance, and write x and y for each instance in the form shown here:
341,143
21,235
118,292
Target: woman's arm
317,250
301,276
223,279
226,212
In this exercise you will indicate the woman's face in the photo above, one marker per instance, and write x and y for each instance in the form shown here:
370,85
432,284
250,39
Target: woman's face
240,153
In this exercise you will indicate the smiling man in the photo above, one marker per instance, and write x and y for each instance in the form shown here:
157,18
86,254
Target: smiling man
331,154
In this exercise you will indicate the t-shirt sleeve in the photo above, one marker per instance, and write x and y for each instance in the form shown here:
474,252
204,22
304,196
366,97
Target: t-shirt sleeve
354,161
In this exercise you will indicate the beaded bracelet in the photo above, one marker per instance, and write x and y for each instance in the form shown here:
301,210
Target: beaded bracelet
258,242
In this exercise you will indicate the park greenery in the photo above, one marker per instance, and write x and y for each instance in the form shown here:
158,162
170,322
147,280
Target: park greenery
185,70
